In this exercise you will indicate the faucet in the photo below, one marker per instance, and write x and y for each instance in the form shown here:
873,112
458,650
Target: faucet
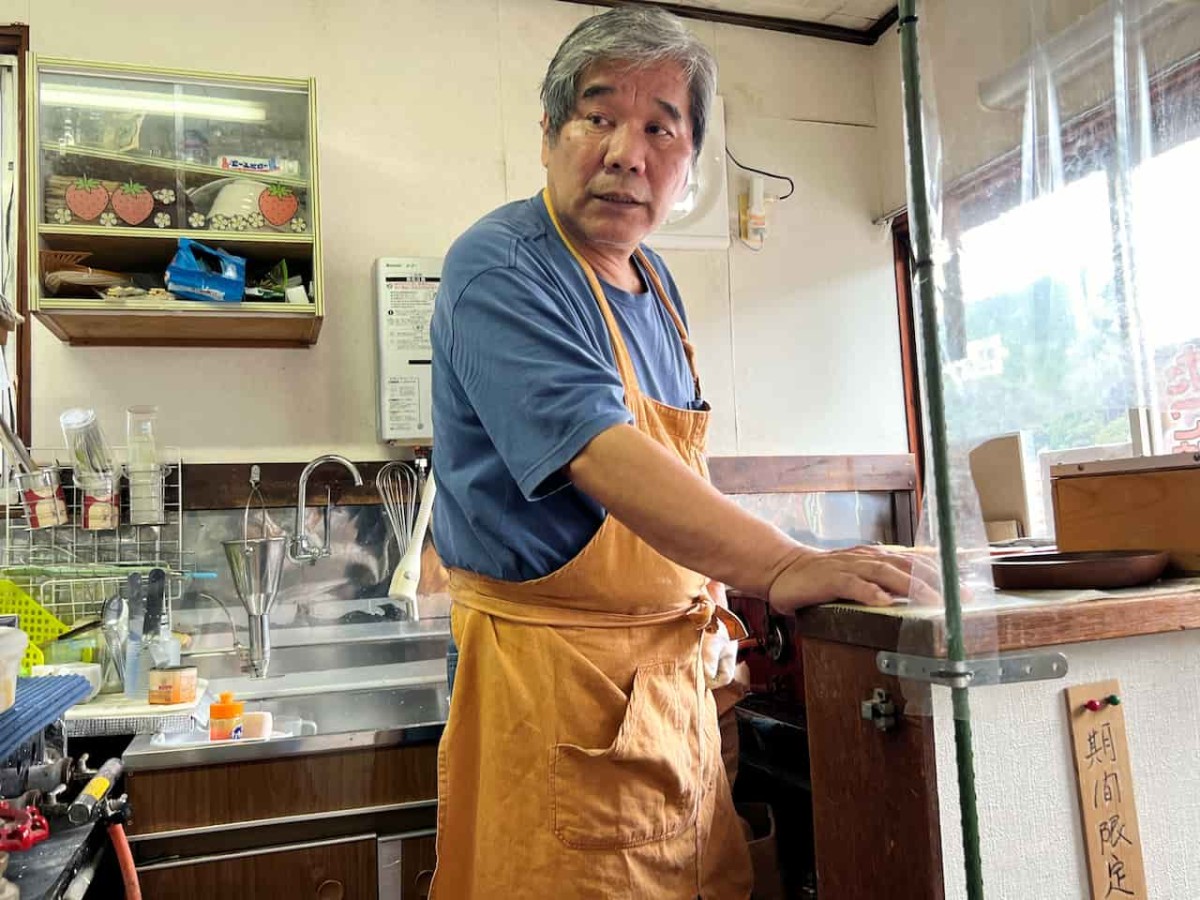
300,548
233,634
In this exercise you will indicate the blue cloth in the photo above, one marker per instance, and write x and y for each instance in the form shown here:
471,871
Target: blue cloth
523,378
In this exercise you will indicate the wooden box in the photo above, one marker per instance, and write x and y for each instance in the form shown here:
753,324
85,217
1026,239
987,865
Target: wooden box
1143,503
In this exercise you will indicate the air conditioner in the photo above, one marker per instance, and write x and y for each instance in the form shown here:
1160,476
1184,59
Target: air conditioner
700,219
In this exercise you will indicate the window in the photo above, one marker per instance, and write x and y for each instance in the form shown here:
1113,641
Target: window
1049,322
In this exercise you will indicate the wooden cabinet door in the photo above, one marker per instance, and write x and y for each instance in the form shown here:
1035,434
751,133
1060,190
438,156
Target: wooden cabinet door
419,855
406,865
344,870
875,800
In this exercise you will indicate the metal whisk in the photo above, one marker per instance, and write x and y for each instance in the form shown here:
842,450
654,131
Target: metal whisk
397,484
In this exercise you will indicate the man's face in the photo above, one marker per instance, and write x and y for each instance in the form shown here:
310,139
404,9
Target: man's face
620,162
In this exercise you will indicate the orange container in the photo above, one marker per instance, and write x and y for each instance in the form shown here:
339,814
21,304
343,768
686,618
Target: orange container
225,718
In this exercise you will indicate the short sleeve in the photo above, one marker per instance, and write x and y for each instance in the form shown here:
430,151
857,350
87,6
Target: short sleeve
534,374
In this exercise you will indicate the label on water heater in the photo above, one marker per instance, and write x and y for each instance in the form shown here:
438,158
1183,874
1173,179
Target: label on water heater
405,290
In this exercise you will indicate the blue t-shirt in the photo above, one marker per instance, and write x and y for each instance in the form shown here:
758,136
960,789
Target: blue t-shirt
523,377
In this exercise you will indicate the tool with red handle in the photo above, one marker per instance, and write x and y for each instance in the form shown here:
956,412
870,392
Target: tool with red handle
20,829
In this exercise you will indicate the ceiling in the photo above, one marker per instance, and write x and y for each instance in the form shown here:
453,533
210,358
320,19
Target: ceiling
859,15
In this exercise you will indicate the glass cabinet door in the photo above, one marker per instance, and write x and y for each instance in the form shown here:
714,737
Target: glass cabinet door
121,150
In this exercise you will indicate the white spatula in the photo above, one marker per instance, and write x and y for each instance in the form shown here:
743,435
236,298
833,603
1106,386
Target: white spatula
408,571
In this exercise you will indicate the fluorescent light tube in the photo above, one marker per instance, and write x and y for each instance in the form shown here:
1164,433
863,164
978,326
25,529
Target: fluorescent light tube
222,108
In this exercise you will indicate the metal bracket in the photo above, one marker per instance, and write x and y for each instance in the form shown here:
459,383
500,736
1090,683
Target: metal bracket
880,709
990,670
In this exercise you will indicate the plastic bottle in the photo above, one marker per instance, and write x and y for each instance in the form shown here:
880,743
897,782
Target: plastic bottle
225,718
143,469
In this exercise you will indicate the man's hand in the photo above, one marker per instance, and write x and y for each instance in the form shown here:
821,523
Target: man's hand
864,575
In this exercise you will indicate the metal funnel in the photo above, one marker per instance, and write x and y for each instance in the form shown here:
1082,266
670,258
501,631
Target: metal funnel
256,565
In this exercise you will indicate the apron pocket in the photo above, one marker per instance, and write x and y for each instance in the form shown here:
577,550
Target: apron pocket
642,788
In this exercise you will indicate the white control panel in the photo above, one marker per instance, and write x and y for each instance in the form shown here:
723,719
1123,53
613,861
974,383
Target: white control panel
405,288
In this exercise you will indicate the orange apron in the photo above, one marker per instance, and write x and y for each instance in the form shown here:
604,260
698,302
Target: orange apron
582,757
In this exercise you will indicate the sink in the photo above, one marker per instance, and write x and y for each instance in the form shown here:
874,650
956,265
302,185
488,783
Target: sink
322,657
344,720
362,685
378,710
411,708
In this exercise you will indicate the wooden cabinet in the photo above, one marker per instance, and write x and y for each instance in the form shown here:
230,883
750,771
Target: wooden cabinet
875,802
406,865
337,870
420,856
235,793
127,161
337,825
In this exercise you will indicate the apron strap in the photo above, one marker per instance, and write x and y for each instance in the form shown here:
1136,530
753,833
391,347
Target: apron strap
689,349
620,350
471,591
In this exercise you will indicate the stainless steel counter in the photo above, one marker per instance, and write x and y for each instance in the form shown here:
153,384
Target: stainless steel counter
345,719
347,687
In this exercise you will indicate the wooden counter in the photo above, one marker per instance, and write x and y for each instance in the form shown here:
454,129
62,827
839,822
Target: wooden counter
875,792
1006,626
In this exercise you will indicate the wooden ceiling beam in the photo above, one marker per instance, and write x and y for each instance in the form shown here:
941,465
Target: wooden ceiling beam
821,30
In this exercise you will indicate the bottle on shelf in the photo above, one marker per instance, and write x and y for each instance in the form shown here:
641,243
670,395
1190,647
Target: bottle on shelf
143,468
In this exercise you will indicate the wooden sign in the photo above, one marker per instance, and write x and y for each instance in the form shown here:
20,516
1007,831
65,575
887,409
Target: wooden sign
1106,804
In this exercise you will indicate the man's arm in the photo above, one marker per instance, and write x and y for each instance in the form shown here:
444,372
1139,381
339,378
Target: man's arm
690,522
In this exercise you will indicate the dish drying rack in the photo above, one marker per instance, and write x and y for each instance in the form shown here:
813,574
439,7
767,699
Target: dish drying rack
70,596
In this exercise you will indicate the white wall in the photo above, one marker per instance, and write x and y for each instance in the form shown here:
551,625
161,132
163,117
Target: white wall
428,119
1032,845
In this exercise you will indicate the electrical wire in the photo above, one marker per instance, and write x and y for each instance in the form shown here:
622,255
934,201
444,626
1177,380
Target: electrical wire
791,184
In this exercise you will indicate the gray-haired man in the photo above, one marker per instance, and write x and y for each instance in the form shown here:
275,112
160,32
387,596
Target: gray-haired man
584,542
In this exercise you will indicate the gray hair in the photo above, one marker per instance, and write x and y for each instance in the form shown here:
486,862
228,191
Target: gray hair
640,36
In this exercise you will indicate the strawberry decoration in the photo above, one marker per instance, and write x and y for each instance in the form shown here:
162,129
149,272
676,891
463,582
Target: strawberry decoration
87,198
132,202
278,203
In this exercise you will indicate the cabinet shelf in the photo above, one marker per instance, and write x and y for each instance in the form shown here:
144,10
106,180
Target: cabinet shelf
119,233
169,165
102,323
151,250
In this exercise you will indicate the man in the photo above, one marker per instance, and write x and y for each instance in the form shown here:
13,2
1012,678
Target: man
581,758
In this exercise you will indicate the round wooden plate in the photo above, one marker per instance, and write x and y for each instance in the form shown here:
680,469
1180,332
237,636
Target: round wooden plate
1100,569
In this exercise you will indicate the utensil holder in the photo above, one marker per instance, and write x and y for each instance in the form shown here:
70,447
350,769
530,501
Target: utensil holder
42,497
146,495
101,501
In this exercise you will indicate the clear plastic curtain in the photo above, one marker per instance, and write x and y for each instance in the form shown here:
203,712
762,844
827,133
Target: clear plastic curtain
1063,145
1062,148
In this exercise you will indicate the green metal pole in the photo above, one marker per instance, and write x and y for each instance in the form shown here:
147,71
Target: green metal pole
922,241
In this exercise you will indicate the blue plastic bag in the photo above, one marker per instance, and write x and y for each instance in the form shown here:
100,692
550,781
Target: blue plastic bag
206,273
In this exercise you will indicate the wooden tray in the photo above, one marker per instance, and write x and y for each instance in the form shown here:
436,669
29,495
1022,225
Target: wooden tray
1097,569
